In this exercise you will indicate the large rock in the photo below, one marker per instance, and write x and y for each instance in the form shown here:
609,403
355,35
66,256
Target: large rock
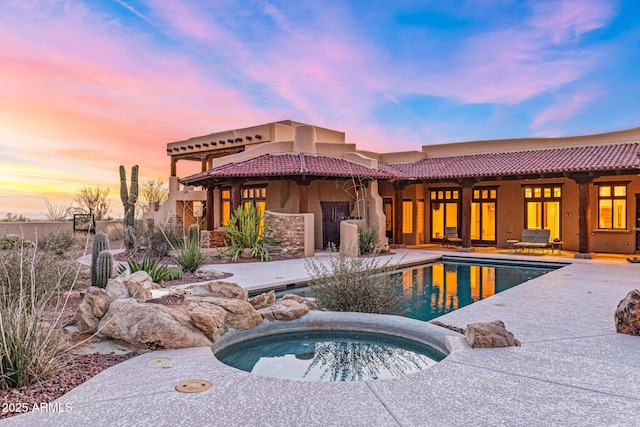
141,278
93,307
489,335
284,309
312,303
627,315
138,291
263,300
240,314
116,289
153,326
209,318
220,289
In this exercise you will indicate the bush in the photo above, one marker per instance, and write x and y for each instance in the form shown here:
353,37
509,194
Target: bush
14,242
190,256
356,284
58,241
367,240
246,231
157,271
31,350
159,238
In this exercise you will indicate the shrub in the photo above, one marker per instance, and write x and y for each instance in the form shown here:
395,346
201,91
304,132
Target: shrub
246,231
356,284
58,241
31,350
190,256
156,270
367,239
14,242
158,238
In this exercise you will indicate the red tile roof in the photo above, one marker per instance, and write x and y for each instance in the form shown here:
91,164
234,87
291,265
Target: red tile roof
594,158
289,164
609,157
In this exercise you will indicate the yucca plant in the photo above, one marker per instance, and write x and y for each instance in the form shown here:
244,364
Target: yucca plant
190,256
157,271
246,231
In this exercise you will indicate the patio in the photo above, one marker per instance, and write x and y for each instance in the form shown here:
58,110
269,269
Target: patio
572,369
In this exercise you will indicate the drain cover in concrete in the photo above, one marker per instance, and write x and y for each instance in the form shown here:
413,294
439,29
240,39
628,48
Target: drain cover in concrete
193,386
159,361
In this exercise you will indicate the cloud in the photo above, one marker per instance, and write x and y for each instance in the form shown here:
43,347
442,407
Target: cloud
564,108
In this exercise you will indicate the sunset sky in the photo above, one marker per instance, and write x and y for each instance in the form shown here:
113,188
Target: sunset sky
88,85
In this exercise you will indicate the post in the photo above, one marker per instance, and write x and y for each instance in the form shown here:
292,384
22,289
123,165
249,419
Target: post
466,187
210,219
398,198
303,191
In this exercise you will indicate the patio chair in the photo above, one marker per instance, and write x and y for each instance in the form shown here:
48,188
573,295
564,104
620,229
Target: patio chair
451,236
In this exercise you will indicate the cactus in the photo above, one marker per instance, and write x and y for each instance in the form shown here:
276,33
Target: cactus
129,199
100,243
194,234
104,267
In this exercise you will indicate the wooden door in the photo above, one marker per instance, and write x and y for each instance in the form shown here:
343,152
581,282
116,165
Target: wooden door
332,214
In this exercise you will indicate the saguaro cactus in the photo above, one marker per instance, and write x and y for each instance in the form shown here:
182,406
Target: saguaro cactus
129,199
100,244
104,267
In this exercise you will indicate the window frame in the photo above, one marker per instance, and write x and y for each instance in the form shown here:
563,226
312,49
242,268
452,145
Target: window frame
612,197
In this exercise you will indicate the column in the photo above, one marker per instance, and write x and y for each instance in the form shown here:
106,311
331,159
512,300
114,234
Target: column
303,192
236,196
210,213
584,215
398,198
466,187
173,166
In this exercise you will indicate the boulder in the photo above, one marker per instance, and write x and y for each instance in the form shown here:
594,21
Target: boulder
284,309
209,318
142,278
240,314
209,274
247,253
627,315
138,291
489,335
153,326
312,303
220,290
116,289
94,305
263,300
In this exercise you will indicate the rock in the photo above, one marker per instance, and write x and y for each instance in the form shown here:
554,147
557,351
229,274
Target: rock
153,326
93,307
140,277
312,303
168,300
447,326
489,335
284,309
115,289
246,253
209,318
263,300
209,274
138,291
220,289
627,314
240,314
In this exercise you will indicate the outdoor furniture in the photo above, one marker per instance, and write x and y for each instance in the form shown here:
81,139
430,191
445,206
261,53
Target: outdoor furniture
510,243
451,236
534,239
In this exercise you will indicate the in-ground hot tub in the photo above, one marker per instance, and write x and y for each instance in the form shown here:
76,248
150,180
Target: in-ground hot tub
331,346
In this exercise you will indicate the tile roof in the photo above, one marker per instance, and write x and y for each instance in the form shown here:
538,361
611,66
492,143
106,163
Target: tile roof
289,164
593,158
608,157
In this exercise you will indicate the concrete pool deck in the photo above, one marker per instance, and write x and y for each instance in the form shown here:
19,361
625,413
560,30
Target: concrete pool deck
572,369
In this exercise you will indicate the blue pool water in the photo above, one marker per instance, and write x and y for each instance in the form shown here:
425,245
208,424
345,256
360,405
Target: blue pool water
330,356
435,289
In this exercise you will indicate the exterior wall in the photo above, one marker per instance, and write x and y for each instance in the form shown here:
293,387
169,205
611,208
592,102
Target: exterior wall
39,229
292,231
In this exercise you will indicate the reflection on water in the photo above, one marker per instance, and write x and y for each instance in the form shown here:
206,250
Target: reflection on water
341,356
440,288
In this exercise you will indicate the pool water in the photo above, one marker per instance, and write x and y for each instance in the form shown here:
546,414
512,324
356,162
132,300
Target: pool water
436,289
330,356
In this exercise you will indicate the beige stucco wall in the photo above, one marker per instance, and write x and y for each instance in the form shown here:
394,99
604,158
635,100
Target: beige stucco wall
33,230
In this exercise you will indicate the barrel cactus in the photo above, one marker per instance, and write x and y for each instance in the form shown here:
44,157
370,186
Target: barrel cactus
194,234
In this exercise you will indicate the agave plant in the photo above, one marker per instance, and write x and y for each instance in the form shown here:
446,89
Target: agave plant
156,270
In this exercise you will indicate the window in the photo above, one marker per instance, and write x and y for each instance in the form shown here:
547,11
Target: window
254,195
483,214
444,210
612,206
407,216
542,208
225,200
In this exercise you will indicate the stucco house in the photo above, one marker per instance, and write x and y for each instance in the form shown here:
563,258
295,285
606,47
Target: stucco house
584,189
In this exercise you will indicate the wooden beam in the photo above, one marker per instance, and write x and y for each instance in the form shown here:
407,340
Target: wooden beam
210,221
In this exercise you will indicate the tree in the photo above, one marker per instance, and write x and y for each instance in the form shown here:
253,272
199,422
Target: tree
57,212
93,200
152,191
14,218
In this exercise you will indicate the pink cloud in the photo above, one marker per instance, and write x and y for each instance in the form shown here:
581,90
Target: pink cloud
564,108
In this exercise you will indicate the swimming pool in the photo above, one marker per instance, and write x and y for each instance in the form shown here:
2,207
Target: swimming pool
438,288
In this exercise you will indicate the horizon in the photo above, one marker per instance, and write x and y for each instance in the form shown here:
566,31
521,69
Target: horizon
88,86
